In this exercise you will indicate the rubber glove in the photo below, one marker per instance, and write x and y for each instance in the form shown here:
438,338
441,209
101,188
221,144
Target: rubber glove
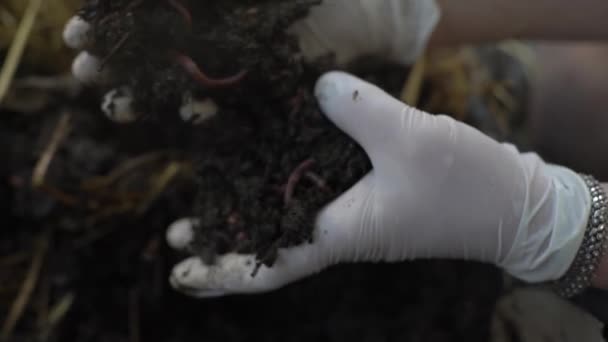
438,189
394,29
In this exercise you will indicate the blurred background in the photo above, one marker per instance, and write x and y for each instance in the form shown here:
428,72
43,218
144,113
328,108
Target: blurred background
45,52
568,117
54,250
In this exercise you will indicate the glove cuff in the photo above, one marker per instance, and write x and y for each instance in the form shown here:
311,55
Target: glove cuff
547,253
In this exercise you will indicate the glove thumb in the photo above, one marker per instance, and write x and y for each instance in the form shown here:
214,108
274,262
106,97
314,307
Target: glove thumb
373,118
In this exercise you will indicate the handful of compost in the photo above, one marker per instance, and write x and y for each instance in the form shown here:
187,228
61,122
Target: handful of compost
436,188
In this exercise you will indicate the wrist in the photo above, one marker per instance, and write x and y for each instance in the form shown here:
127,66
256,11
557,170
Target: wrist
590,251
553,227
600,278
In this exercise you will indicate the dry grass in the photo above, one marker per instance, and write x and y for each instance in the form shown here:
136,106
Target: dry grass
31,37
44,48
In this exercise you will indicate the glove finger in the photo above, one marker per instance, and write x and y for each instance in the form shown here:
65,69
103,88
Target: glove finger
76,33
340,236
180,233
197,111
235,274
87,69
117,105
230,274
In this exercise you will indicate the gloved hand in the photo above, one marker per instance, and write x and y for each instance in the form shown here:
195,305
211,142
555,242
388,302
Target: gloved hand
394,29
438,189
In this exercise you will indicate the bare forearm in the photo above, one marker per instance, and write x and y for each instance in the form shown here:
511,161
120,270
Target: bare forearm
601,275
477,21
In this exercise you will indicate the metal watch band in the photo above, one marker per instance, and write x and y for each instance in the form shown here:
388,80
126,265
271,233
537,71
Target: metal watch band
594,245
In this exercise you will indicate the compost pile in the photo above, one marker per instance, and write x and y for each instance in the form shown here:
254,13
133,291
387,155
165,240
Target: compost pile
256,173
268,159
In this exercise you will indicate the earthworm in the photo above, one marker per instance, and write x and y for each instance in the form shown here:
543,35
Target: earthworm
182,10
294,178
317,180
195,72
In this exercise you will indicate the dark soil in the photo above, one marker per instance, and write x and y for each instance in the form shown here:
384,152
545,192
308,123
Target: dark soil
269,160
106,233
117,267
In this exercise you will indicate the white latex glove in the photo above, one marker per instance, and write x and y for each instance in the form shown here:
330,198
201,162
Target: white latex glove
438,189
395,29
